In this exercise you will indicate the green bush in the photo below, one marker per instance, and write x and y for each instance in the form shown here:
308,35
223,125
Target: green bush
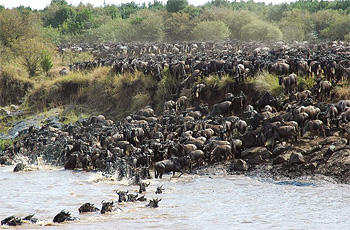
46,63
211,31
148,26
4,143
297,25
261,31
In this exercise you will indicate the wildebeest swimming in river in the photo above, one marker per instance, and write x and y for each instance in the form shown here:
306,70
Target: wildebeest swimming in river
63,216
87,207
108,207
153,203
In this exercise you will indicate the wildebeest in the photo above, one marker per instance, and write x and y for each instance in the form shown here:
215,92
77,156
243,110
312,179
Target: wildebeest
143,187
300,96
63,216
223,108
175,164
88,207
153,203
107,207
123,196
220,152
325,88
12,221
159,189
64,72
289,82
314,125
266,99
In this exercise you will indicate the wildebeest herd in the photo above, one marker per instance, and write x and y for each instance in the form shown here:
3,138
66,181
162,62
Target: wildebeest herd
190,133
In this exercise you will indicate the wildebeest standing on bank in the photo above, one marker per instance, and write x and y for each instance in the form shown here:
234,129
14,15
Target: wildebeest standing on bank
289,82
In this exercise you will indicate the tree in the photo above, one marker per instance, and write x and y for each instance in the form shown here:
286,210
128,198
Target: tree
112,11
14,26
323,19
338,29
118,30
297,25
219,3
237,20
156,5
126,9
262,31
57,13
178,26
148,26
79,22
174,6
211,31
30,53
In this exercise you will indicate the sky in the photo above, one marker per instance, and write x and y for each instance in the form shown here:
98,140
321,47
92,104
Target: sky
41,4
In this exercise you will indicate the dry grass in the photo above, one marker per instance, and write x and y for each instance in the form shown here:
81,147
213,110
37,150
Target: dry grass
13,85
341,93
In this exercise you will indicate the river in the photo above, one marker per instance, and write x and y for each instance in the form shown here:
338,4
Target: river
188,202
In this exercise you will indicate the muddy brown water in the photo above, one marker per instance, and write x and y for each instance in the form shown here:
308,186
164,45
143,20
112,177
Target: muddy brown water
189,202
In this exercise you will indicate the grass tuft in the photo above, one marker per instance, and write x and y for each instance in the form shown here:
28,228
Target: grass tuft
4,143
266,82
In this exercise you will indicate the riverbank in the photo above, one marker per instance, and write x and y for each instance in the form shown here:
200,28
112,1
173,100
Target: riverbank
52,142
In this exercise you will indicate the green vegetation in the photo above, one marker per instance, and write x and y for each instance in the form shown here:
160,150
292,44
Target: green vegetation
73,116
4,143
174,6
211,31
176,20
46,63
266,82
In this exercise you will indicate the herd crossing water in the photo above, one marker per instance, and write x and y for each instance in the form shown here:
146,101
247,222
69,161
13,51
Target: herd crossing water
188,202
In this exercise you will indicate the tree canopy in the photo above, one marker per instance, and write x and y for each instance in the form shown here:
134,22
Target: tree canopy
177,20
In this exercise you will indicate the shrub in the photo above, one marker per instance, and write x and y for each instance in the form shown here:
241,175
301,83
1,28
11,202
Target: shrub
140,100
46,63
148,26
211,31
30,53
262,31
4,143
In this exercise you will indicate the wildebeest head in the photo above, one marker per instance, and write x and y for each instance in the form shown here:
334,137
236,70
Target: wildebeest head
107,207
159,189
123,196
153,203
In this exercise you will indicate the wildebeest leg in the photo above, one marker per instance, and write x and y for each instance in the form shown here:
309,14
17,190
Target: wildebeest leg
323,132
